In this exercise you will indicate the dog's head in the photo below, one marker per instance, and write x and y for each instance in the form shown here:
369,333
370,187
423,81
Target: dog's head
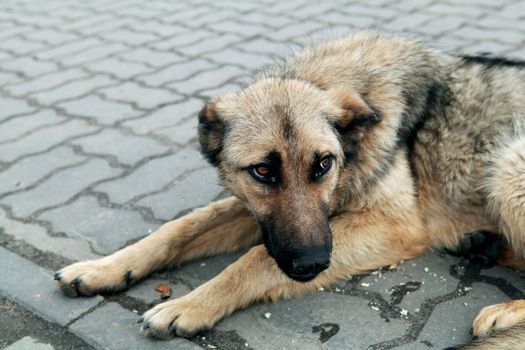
279,147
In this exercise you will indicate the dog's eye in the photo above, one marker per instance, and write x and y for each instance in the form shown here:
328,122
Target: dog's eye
263,173
322,167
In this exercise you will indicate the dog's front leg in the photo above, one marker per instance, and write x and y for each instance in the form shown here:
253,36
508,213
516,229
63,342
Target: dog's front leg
361,243
222,226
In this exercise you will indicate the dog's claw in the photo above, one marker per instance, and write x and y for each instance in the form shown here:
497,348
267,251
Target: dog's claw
57,276
141,319
146,325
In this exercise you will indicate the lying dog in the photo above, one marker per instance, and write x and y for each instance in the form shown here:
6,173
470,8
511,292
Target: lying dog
349,156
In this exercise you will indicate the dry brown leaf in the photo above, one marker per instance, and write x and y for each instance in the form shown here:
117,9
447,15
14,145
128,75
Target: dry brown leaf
164,290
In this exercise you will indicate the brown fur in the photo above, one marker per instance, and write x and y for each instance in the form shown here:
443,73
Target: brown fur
424,148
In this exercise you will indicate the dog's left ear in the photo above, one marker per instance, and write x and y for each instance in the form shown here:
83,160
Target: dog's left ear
211,133
356,112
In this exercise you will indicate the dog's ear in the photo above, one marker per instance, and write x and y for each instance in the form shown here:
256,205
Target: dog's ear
211,132
357,114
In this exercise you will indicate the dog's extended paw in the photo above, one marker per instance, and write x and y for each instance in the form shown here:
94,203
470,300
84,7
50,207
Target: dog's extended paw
90,277
498,317
182,317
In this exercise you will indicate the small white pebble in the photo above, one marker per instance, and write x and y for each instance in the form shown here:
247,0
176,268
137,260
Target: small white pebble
212,346
267,315
466,289
374,273
135,311
321,289
337,289
466,304
416,310
403,312
426,269
374,308
203,264
365,284
246,344
150,230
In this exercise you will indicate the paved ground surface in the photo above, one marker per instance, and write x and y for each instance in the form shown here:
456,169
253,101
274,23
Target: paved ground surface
97,148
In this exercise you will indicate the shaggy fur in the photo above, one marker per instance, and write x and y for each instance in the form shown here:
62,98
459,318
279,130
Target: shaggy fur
421,148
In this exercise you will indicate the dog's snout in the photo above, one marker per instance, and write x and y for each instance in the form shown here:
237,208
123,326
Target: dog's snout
305,267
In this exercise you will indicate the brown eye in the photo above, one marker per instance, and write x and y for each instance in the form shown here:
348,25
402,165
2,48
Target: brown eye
322,167
325,163
263,173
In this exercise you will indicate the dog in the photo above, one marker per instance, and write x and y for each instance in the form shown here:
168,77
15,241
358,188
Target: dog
353,154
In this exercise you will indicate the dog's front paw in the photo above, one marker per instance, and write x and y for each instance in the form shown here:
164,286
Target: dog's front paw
182,317
90,277
498,317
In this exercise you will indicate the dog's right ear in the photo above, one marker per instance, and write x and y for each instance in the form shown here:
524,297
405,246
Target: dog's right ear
357,113
211,133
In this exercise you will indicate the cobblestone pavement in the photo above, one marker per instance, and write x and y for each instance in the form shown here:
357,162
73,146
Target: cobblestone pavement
98,147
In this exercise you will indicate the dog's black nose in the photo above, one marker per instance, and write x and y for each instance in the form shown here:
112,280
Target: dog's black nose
305,268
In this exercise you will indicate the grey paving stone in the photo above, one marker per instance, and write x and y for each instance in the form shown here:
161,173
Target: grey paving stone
265,46
45,82
244,29
144,97
73,89
166,116
59,188
33,287
431,270
31,169
176,72
510,37
43,139
151,57
515,10
152,176
233,56
128,149
28,343
68,48
181,133
160,29
145,290
113,327
493,47
291,321
446,328
197,189
21,46
233,86
182,39
16,127
108,229
273,20
51,36
7,77
72,248
206,17
210,44
293,31
28,66
129,37
91,54
207,79
12,107
104,111
461,9
407,22
120,69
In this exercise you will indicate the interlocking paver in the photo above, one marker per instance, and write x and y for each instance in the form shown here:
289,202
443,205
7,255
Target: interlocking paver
72,89
144,97
129,37
176,72
52,37
91,54
28,66
128,149
165,117
16,127
120,69
210,44
21,46
107,228
151,57
197,189
59,188
152,176
12,107
45,82
208,79
31,286
104,111
68,48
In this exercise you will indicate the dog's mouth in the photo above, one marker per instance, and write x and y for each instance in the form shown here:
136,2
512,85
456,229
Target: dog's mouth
304,277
